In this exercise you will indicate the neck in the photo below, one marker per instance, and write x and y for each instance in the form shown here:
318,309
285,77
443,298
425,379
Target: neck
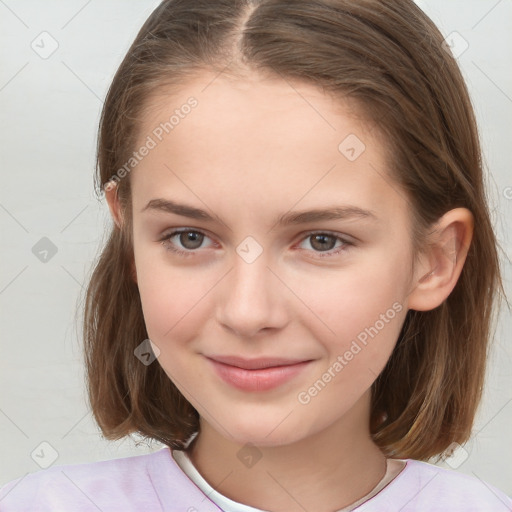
326,471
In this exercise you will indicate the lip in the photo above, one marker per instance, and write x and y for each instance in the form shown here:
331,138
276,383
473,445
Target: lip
259,374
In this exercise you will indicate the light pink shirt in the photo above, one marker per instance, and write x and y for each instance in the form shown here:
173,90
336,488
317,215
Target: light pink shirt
155,482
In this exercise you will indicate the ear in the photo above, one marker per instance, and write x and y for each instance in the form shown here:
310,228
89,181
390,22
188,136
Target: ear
110,189
115,211
440,264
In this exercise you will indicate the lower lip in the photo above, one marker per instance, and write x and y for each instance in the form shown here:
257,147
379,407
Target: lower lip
257,380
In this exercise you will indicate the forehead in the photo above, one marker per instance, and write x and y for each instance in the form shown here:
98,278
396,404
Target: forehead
229,108
258,144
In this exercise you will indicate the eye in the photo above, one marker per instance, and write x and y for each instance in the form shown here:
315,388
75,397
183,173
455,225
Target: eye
322,243
191,240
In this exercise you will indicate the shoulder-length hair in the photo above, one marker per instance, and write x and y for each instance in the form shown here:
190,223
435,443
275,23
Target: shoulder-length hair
386,57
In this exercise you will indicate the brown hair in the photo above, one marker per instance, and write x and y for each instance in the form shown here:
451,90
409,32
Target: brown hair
385,56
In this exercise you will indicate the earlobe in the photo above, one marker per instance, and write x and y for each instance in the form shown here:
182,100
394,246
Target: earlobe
115,211
113,202
134,272
439,269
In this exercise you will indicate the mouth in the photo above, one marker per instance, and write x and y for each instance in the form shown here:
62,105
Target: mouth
260,374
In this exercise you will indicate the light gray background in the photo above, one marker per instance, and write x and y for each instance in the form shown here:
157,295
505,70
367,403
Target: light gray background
50,110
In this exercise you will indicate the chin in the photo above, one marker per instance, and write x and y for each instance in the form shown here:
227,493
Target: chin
265,433
263,440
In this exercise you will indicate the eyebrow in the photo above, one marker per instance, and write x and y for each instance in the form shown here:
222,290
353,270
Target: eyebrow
290,218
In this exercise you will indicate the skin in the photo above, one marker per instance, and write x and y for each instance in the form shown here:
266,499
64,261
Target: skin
251,150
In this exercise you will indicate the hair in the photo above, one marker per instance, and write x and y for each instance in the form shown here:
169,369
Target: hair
387,58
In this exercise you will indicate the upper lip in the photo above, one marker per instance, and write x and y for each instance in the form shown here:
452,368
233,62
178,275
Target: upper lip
256,363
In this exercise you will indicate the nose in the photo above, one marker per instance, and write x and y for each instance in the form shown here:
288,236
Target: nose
252,298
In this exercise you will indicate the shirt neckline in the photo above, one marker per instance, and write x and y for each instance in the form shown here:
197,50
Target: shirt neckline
181,459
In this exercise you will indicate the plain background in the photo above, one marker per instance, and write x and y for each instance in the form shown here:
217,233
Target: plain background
50,111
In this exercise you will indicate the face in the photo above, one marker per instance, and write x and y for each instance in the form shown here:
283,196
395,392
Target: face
250,277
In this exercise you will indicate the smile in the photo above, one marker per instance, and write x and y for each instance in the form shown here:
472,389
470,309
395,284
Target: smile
257,375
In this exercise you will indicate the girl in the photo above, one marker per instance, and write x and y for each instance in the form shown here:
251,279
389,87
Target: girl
297,293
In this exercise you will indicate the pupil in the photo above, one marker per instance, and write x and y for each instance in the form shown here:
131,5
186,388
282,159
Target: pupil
191,236
321,240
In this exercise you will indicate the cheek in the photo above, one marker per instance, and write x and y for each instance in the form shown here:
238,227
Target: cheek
362,313
173,299
347,302
366,334
172,316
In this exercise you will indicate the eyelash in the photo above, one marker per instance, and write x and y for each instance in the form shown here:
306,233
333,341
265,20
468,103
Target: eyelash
165,241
